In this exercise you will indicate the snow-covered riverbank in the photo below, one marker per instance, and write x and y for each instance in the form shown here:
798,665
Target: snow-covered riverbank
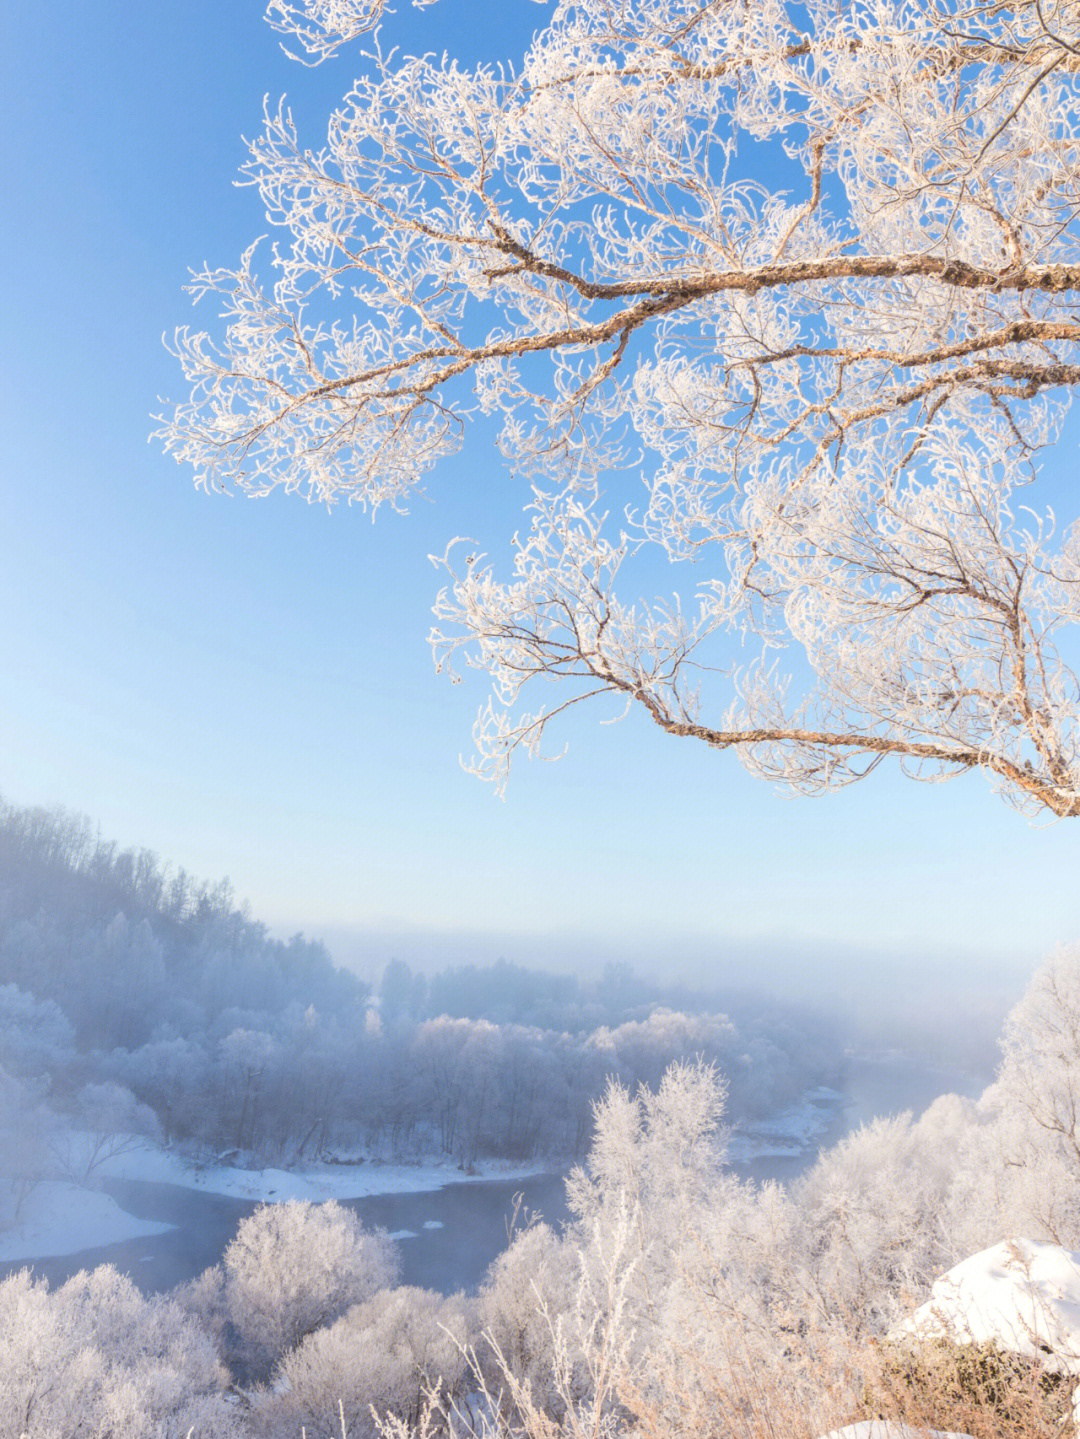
64,1218
800,1129
317,1182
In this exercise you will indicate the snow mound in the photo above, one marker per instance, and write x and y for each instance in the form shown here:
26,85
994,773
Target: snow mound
1022,1295
66,1218
889,1429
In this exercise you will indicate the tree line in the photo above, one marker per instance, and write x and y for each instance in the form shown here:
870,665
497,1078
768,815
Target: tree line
134,999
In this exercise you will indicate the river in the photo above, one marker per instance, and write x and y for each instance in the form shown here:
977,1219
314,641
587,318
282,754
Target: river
454,1233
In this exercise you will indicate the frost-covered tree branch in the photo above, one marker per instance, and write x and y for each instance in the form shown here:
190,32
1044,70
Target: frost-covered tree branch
787,291
323,26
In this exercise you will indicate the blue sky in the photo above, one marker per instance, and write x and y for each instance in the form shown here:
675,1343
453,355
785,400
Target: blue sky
244,686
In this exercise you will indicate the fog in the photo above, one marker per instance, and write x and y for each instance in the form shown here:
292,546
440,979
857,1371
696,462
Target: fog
944,1004
142,1008
133,998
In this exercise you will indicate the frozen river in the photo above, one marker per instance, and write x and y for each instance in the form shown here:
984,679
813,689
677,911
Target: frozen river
449,1236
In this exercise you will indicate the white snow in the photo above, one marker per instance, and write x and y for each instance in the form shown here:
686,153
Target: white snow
433,1224
1023,1295
63,1218
792,1132
317,1182
889,1429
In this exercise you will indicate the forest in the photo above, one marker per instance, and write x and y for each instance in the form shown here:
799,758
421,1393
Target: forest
134,1000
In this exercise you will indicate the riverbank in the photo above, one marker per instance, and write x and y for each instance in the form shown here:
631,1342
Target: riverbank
316,1182
64,1218
794,1132
128,1202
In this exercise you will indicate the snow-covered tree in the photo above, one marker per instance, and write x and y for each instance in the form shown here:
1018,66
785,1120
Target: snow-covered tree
786,290
869,1233
95,1357
107,1121
171,1075
656,1153
1019,1166
297,1266
1040,1073
35,1035
28,1132
528,1289
245,1057
388,1355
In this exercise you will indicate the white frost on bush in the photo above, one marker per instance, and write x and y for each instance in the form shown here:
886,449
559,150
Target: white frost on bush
294,1267
385,1355
94,1357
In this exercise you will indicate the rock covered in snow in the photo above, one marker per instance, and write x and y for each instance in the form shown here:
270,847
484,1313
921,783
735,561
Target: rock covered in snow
1022,1295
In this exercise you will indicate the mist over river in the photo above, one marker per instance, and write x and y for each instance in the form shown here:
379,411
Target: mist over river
449,1236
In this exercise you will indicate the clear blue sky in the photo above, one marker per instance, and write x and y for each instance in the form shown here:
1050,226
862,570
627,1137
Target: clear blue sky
244,686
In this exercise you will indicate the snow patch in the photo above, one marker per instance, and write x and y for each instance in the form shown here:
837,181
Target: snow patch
1019,1294
889,1429
791,1132
317,1182
64,1218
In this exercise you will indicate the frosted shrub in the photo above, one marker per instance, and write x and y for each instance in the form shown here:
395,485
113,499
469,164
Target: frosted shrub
204,1299
869,1211
94,1357
527,1288
293,1268
386,1355
659,1154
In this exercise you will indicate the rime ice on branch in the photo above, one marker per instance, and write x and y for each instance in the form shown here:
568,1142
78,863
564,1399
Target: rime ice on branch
785,291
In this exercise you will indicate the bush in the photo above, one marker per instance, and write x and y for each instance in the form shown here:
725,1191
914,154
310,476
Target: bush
94,1357
295,1267
386,1355
529,1286
981,1389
